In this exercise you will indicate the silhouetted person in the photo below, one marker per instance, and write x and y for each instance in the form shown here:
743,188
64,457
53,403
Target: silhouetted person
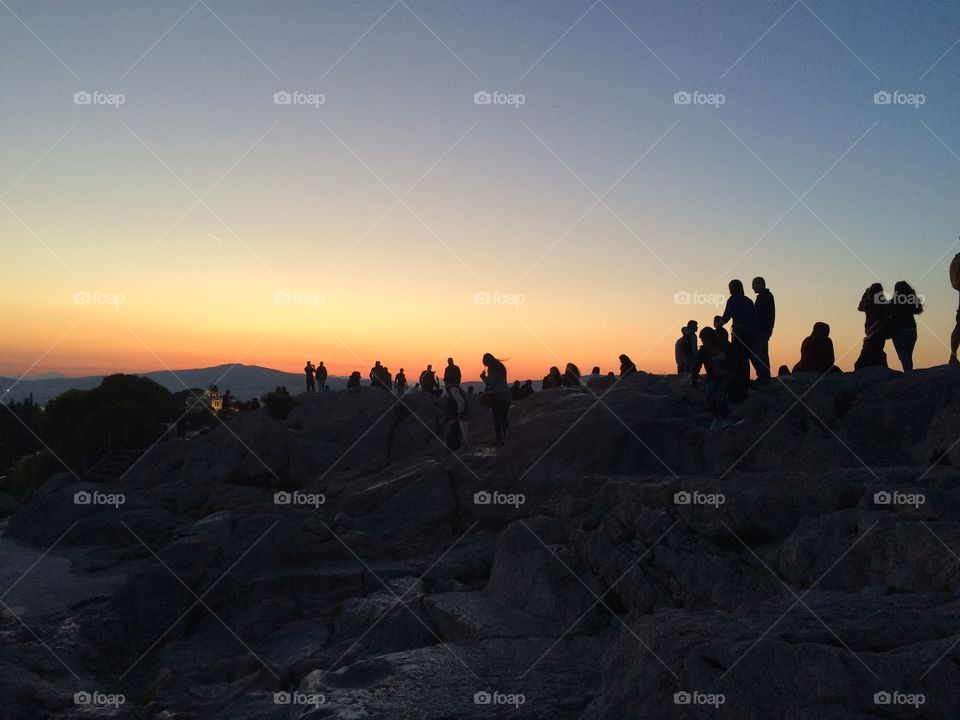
321,376
596,371
816,351
680,348
401,382
552,379
713,356
766,310
685,349
955,335
354,380
470,390
784,370
451,375
693,327
428,380
741,310
721,330
526,390
904,307
874,306
309,371
495,380
571,376
379,377
626,366
515,390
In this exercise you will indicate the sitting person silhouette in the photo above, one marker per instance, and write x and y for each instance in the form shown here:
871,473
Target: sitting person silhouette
571,376
627,366
552,379
816,351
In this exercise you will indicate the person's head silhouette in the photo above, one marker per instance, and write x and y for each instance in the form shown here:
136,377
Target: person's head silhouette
735,287
759,284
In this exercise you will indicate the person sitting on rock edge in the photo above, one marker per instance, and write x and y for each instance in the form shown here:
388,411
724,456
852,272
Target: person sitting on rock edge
816,351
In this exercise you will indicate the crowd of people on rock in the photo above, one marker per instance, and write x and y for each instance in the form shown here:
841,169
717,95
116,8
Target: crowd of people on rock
724,357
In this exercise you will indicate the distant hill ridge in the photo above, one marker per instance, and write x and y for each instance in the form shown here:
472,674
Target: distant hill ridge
243,381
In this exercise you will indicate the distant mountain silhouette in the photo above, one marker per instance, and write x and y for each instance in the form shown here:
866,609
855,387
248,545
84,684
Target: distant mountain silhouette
243,381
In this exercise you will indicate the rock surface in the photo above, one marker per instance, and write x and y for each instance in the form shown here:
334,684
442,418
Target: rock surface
615,559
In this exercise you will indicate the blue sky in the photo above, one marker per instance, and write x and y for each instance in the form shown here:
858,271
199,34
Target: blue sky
503,198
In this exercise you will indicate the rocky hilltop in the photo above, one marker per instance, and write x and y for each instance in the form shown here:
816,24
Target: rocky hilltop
616,559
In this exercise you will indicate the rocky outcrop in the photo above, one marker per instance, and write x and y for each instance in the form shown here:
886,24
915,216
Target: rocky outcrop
615,559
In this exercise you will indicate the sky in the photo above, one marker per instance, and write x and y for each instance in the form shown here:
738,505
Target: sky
185,184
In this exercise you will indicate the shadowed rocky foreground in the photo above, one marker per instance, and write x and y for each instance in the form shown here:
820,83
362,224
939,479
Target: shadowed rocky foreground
616,559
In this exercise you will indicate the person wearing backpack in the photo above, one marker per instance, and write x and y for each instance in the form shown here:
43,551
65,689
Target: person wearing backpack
428,380
955,335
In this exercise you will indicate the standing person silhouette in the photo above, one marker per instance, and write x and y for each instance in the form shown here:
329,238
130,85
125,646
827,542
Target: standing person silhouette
308,371
451,375
498,391
401,382
955,335
741,310
766,310
905,305
321,375
713,357
876,310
